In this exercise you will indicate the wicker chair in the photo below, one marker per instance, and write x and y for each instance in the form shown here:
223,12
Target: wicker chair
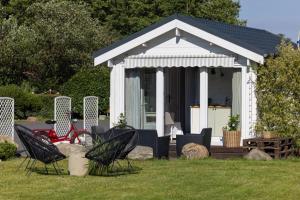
204,138
107,152
39,149
160,145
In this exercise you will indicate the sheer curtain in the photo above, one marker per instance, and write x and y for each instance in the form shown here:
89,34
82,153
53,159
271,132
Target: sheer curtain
236,92
133,97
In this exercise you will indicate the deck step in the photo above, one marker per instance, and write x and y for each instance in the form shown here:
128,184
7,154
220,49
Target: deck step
217,152
220,152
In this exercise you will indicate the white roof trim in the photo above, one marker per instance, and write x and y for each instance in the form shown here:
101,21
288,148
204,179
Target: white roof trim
179,61
185,27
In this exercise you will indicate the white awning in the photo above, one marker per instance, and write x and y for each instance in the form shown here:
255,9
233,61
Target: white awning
179,61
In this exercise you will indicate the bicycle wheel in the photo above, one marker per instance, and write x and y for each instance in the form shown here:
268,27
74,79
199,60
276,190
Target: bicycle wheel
83,138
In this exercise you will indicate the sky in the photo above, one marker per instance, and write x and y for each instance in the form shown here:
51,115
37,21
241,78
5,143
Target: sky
276,16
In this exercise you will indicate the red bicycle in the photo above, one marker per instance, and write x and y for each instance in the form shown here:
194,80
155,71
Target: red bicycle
73,136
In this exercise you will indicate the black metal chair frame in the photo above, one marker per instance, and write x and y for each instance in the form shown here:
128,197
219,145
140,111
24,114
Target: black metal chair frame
117,130
39,149
145,137
107,152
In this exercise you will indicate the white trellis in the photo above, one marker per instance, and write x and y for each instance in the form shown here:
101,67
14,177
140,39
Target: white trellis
7,116
62,114
90,112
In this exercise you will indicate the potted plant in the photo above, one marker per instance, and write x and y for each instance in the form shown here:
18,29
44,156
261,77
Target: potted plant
266,129
122,121
231,132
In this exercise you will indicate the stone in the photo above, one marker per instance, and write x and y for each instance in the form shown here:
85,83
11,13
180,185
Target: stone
78,164
64,148
256,154
9,139
32,119
194,151
141,153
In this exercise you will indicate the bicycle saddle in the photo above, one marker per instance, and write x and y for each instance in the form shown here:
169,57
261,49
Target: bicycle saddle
50,122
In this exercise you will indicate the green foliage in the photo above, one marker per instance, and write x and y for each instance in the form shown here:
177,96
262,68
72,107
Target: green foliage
47,109
7,150
128,16
88,82
26,103
233,123
55,40
278,92
44,43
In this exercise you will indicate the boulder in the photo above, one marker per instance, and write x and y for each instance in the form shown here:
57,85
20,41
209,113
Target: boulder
141,153
9,139
256,154
78,164
64,148
32,119
194,151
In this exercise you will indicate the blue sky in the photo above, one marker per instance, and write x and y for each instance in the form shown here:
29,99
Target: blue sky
277,16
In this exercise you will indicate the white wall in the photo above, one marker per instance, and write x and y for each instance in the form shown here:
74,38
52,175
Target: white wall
168,44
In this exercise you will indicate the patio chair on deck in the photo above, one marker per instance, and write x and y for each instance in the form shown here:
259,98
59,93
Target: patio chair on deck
204,138
160,145
107,152
39,149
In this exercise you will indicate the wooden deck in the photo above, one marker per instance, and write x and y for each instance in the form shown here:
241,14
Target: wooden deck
218,152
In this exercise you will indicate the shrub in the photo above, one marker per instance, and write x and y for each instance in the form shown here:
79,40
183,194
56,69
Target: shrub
88,82
278,92
26,103
7,150
47,110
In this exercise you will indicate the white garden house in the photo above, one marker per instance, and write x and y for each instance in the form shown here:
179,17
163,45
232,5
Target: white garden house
188,72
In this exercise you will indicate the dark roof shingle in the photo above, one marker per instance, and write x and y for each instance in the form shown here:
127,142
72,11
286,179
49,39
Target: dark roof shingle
259,41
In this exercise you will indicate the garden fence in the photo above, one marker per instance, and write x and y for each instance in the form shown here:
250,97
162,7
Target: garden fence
7,116
90,112
62,115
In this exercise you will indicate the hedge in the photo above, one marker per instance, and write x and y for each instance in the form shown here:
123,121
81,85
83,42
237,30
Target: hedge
88,82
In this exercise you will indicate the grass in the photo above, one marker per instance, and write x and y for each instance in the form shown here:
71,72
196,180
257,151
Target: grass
162,179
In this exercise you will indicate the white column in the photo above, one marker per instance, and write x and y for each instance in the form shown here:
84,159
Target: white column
203,97
160,110
253,107
117,92
243,117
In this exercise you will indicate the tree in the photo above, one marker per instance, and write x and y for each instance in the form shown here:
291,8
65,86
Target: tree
125,17
278,92
45,42
55,40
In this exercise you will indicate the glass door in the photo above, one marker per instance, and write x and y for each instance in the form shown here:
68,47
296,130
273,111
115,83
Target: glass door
148,99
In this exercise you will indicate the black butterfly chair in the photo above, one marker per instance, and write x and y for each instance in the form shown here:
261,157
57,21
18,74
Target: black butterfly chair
107,152
118,130
40,149
26,149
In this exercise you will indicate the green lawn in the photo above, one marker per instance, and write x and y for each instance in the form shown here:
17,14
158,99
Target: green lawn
162,179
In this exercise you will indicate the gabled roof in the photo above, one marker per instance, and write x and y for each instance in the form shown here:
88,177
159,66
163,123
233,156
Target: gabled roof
258,41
